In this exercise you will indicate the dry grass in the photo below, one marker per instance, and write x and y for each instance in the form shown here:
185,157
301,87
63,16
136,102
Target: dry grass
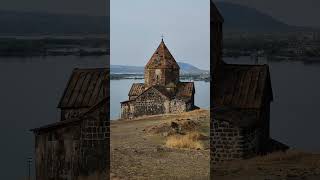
191,140
281,156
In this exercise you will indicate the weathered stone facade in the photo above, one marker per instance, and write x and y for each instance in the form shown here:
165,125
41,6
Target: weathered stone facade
162,91
231,142
240,121
77,147
159,76
151,102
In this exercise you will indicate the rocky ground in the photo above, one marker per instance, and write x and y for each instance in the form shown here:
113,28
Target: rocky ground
139,151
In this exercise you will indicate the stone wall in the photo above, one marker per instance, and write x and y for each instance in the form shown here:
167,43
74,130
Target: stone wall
124,110
78,150
127,110
161,76
150,103
177,106
94,143
226,142
229,142
251,142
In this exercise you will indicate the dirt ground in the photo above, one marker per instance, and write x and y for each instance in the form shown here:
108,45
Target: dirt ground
139,151
291,165
137,154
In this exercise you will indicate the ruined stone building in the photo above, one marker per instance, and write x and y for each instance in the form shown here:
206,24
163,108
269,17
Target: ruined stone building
77,146
162,92
242,95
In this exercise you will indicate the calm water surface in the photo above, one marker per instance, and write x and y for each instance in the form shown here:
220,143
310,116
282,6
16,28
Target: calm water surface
30,92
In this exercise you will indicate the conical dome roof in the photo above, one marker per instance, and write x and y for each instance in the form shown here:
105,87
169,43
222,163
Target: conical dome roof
162,59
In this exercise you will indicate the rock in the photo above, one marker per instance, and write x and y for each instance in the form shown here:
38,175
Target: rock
174,125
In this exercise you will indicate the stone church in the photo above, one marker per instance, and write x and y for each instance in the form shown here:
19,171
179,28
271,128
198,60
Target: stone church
162,92
242,93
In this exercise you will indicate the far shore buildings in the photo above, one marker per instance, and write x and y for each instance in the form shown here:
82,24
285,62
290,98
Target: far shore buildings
77,146
162,92
240,121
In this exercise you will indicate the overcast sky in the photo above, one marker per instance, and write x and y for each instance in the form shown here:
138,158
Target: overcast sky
293,12
137,26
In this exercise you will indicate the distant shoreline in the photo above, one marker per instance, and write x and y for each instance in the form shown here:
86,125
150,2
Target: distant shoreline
90,46
194,77
52,54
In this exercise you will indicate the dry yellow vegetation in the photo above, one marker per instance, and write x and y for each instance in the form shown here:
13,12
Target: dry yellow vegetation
191,140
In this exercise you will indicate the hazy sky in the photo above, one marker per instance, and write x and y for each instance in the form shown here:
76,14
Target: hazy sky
89,7
293,12
137,26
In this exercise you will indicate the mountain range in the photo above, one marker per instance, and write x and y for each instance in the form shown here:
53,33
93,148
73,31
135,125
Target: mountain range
238,18
185,68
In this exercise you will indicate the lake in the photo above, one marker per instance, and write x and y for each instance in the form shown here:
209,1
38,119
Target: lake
31,90
119,90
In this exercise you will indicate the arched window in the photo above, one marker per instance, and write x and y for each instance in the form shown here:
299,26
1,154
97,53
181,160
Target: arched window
158,75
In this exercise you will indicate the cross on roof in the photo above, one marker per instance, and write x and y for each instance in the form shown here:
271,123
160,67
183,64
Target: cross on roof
162,37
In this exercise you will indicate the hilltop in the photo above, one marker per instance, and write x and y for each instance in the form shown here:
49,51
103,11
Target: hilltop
161,146
239,18
144,148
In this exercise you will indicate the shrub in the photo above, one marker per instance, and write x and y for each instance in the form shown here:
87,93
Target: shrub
189,141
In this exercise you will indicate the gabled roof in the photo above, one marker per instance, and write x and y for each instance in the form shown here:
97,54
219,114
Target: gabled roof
215,15
185,89
85,88
242,86
162,59
240,118
163,91
160,89
73,121
136,89
127,101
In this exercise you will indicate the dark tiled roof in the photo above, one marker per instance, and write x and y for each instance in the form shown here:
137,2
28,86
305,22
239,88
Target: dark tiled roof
237,117
136,89
58,124
162,58
85,88
74,120
127,101
163,91
185,89
242,86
